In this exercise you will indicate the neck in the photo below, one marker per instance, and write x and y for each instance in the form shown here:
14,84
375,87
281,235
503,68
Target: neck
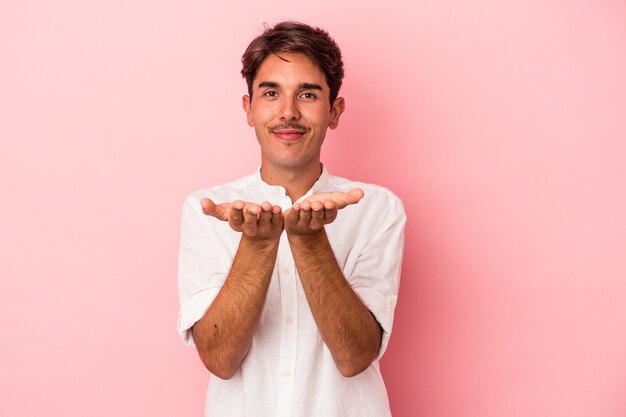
296,182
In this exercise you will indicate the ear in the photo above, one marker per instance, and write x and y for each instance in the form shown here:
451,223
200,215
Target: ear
335,112
246,102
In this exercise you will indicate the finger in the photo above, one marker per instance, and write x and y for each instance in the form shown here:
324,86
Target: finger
351,197
317,215
293,214
251,210
305,213
330,215
251,216
317,210
235,217
354,196
266,205
219,211
277,216
208,206
330,205
317,205
223,211
266,213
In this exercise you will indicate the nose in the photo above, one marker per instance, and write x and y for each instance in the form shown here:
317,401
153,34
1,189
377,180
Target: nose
289,109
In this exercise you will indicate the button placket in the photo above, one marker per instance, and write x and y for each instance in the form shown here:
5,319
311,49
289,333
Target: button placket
288,338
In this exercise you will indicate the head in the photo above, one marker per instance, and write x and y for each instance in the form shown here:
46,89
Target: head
295,37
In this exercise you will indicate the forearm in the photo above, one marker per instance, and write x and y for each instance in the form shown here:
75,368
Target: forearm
224,334
346,325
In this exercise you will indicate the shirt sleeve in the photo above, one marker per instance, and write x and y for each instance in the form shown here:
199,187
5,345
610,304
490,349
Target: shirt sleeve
376,275
203,264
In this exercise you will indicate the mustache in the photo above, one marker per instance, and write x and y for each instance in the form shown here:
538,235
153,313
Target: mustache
288,126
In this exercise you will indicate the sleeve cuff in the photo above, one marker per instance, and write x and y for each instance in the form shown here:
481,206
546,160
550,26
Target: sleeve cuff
192,310
382,307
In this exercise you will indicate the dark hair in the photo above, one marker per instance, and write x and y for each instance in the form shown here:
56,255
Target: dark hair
290,36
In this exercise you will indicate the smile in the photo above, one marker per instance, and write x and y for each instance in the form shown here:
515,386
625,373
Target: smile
288,133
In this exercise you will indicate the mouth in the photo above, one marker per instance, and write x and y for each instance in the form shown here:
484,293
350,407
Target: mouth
288,133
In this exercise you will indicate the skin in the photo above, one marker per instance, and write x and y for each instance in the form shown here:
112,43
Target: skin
290,114
291,120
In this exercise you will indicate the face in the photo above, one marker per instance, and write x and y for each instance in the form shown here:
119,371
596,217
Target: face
290,112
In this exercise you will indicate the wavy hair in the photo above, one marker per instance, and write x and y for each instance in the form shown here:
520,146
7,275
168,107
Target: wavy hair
295,37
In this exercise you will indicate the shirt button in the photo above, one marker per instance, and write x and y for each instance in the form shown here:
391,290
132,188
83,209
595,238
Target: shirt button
285,270
289,320
286,374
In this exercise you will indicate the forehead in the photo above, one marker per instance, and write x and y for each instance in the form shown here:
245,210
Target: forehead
288,68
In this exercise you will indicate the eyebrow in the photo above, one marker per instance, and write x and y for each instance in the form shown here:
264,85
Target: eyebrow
304,86
270,84
309,86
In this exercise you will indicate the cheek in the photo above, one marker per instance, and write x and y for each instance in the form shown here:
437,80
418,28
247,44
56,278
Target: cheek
323,121
260,116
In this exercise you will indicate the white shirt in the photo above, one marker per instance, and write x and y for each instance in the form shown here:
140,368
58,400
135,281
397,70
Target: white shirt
288,370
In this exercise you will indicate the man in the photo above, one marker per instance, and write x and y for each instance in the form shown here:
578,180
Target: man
289,303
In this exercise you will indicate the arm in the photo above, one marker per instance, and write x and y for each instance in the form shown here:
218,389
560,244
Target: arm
224,334
348,328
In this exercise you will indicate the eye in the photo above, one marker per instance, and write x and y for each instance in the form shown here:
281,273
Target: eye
308,96
270,93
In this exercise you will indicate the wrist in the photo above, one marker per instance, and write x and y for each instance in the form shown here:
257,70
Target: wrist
310,238
260,244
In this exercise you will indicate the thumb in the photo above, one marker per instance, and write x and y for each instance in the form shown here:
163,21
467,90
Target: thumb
351,197
219,211
208,206
354,196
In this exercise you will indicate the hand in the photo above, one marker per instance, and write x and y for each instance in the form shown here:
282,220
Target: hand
312,214
341,199
255,221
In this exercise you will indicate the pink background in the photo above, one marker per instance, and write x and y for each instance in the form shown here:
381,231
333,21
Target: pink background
500,124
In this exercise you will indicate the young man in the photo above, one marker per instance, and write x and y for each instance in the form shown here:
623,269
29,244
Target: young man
289,302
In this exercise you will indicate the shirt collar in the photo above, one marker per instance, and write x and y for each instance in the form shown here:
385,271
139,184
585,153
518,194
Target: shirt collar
279,190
